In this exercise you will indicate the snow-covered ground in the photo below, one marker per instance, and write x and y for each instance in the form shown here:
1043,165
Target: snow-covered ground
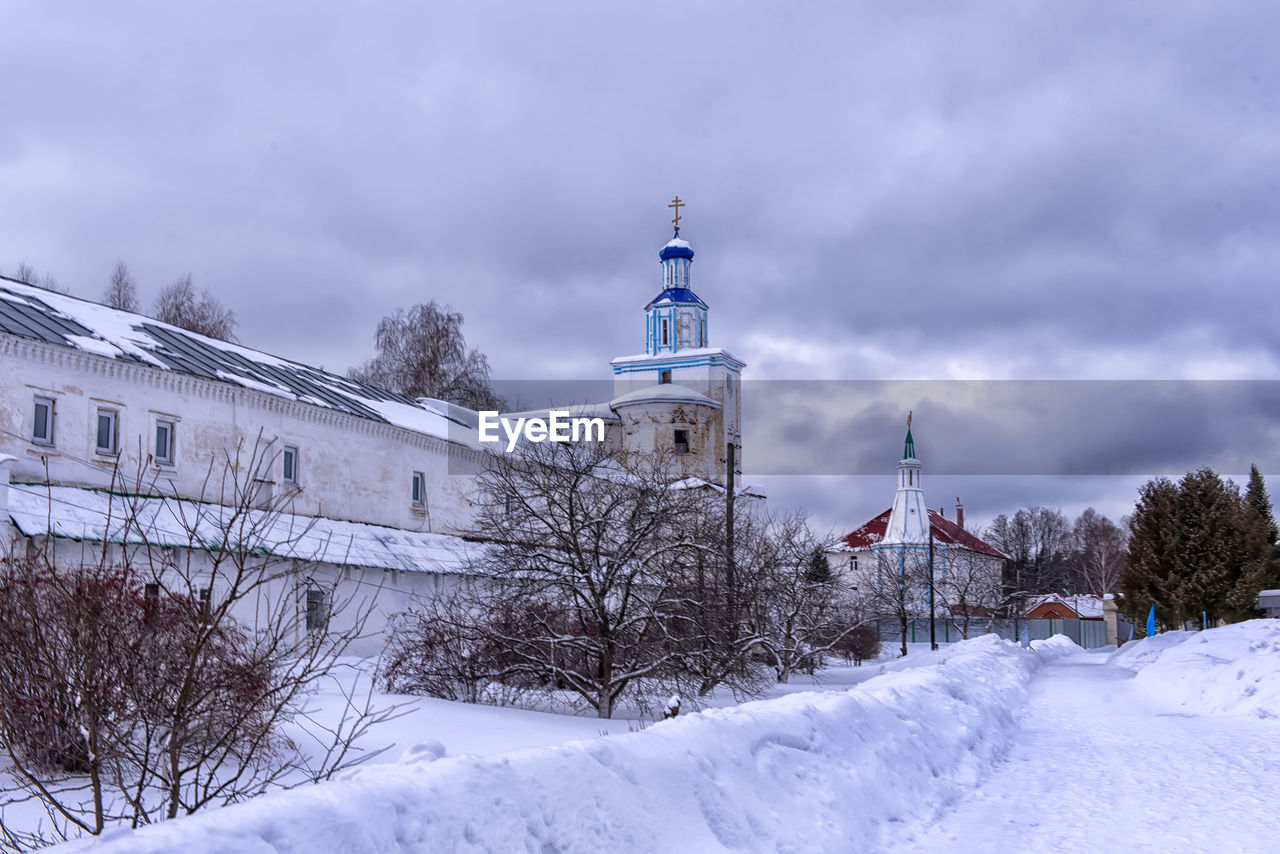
838,770
1171,744
1229,670
1109,761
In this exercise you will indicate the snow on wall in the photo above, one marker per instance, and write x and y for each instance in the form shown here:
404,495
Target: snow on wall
807,772
1232,669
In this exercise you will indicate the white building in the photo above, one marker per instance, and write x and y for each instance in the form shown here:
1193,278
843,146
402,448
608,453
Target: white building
894,547
105,410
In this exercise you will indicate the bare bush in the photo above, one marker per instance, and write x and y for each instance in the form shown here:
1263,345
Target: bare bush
159,680
442,649
860,644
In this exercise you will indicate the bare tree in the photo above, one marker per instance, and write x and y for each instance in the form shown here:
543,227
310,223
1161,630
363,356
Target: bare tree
122,293
718,626
897,593
158,681
600,578
1038,543
585,549
806,610
422,353
180,305
26,274
967,584
1100,550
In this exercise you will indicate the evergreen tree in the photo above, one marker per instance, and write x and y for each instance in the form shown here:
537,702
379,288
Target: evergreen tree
819,569
1256,496
1150,577
1195,547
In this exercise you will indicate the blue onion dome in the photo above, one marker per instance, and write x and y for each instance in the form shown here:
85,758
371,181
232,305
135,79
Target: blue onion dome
678,247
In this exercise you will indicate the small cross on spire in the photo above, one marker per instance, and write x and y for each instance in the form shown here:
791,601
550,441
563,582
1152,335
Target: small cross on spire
677,204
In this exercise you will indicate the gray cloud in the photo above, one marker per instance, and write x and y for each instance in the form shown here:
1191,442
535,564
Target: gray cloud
877,191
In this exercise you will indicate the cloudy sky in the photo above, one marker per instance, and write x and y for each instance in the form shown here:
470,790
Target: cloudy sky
876,192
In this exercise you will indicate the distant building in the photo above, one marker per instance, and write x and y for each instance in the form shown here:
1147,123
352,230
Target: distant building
893,547
1054,606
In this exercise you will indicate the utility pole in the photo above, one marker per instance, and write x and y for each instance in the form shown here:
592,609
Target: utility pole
730,567
933,637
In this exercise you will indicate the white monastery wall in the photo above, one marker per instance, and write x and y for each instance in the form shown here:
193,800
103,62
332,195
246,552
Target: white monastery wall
347,467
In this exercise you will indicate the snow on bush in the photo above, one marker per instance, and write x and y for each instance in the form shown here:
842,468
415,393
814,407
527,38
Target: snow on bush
1228,670
805,772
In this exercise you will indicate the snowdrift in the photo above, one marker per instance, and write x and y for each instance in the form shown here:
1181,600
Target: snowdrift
1229,670
806,772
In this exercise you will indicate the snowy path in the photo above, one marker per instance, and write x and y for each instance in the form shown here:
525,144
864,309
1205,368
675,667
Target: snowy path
1101,766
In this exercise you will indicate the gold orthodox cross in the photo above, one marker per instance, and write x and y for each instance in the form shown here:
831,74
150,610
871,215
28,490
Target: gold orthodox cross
908,420
677,204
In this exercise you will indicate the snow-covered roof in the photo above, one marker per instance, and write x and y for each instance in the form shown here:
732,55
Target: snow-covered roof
98,516
1085,605
663,393
576,410
749,490
689,353
944,531
677,296
68,321
676,247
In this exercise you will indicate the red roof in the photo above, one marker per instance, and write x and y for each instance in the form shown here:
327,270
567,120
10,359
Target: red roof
944,531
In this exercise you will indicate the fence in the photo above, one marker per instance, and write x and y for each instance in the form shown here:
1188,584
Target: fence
1089,634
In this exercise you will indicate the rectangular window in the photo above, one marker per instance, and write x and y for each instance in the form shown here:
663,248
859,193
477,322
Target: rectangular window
682,441
509,504
42,426
290,456
665,336
164,442
106,432
316,616
419,489
665,378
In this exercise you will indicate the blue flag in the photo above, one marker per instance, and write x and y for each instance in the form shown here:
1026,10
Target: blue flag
1151,622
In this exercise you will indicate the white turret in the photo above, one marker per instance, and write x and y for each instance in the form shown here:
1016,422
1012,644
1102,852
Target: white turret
909,518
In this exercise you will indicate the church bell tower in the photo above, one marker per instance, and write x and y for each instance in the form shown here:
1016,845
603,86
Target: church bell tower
680,382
